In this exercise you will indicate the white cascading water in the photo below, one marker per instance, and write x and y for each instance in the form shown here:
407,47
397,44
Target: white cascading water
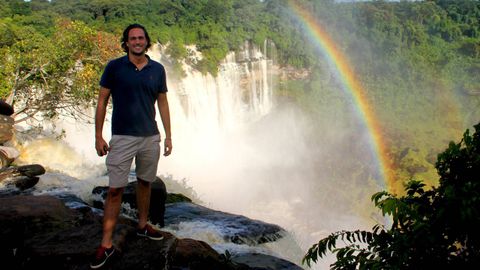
239,152
210,116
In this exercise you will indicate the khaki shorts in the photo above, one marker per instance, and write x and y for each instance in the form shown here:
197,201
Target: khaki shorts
123,148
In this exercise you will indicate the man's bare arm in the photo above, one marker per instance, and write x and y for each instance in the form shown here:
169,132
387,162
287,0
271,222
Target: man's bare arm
100,144
164,110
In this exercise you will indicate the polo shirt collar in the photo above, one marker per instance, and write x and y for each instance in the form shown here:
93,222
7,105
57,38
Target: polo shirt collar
126,60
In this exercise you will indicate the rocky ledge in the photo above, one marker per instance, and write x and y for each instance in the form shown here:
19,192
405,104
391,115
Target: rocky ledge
173,209
62,232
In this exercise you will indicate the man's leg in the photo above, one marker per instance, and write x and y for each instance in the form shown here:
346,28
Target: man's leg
110,214
143,202
143,205
146,162
119,161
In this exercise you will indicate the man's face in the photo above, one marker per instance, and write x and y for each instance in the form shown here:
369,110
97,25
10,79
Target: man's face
137,42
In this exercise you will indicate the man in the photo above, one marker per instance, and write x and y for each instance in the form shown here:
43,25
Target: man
135,83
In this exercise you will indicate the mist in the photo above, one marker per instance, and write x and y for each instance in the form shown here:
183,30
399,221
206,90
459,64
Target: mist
246,150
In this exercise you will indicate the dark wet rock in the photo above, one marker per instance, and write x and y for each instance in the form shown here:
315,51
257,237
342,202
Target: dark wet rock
39,232
10,190
22,218
193,254
26,170
176,198
62,232
6,128
177,208
158,198
72,201
6,109
22,177
236,228
25,182
260,261
31,170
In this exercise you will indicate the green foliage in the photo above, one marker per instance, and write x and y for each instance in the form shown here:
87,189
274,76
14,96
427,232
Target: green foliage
390,26
55,73
431,229
213,26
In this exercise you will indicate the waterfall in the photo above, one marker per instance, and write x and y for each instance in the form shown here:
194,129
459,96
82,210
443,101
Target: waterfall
240,93
211,117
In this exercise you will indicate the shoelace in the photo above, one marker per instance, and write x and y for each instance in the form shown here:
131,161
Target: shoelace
101,252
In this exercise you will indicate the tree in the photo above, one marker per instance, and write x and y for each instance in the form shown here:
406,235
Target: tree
47,75
431,229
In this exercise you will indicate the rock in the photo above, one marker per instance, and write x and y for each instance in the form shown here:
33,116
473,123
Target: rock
9,190
39,232
73,202
260,261
26,170
6,128
24,217
235,228
193,254
176,198
157,199
25,182
31,170
5,108
23,177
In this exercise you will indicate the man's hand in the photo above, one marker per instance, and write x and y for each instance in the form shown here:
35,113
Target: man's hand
101,146
168,147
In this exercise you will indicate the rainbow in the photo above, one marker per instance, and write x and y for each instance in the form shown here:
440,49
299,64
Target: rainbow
350,82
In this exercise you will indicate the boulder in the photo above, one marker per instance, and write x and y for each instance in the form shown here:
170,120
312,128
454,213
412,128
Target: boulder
260,261
5,108
25,182
6,128
235,228
23,177
30,170
25,170
193,254
172,209
40,232
158,198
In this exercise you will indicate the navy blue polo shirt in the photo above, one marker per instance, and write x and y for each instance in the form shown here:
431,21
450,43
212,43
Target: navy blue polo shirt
134,93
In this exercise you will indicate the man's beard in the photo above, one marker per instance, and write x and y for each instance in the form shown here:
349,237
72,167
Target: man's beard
138,53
